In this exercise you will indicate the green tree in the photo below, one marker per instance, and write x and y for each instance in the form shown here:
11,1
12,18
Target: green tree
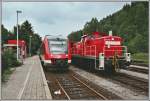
91,26
75,36
25,31
5,34
35,43
130,23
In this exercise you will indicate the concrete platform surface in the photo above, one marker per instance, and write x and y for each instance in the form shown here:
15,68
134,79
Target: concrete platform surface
27,82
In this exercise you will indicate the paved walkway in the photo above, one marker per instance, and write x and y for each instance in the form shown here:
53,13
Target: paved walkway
27,82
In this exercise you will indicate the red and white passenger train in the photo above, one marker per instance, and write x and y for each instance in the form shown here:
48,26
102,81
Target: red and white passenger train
101,51
54,52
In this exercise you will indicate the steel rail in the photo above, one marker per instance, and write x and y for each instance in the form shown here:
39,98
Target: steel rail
63,90
132,81
139,70
90,88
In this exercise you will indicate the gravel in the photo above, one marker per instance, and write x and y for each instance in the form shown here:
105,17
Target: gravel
117,89
140,75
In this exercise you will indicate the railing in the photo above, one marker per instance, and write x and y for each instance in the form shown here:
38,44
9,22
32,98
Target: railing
74,51
122,51
90,51
87,51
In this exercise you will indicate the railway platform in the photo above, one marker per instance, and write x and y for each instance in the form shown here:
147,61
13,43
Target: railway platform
27,82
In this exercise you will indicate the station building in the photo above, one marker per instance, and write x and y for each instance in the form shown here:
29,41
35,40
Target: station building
22,48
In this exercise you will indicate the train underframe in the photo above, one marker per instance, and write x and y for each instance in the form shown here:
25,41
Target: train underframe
56,64
93,64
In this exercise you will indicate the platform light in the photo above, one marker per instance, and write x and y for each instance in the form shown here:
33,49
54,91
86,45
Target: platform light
17,33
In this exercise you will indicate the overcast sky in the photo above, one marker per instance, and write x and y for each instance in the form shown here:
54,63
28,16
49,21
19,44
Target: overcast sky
57,17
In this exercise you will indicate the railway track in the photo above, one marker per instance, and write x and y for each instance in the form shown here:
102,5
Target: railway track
72,86
140,70
134,83
76,89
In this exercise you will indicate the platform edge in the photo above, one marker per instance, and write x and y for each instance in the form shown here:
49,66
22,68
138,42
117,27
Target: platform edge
47,91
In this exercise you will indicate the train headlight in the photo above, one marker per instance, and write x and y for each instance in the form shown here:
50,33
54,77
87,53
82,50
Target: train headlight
47,61
66,54
69,61
128,57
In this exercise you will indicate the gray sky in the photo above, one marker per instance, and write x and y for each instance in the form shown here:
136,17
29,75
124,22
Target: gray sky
57,17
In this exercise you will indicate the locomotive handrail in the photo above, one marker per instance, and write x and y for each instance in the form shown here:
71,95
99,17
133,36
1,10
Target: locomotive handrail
90,51
125,49
116,46
86,50
74,51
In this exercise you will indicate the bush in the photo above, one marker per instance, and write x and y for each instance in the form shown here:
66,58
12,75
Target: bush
9,60
141,57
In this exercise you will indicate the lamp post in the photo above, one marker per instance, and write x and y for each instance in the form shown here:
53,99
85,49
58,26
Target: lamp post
30,46
17,34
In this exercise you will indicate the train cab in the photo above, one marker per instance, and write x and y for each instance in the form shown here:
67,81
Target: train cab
55,52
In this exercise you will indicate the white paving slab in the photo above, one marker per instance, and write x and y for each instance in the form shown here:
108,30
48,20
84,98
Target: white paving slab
27,82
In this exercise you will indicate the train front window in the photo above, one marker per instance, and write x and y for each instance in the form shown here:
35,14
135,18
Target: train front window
58,46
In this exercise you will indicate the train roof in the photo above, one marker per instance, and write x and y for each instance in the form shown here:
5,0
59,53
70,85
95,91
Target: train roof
110,36
56,37
20,42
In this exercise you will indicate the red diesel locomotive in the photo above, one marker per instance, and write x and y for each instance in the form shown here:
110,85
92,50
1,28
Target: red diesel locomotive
101,51
54,52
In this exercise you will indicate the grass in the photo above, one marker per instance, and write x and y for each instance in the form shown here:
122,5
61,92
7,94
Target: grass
6,74
143,57
9,63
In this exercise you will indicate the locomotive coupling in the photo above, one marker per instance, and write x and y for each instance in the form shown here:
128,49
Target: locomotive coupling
115,63
69,61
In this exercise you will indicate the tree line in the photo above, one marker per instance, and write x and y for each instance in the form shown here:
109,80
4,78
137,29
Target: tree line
130,23
25,30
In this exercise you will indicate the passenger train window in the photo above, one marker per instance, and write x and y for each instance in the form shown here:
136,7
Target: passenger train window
58,46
